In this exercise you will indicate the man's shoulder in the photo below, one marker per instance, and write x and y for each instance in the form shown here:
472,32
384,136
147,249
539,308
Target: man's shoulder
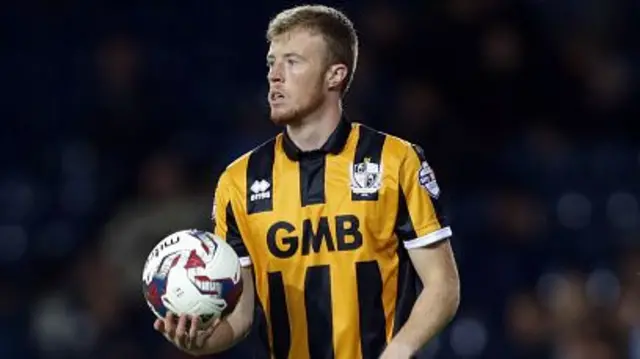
237,168
395,144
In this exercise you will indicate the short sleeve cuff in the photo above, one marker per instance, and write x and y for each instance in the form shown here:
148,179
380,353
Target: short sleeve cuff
245,262
428,239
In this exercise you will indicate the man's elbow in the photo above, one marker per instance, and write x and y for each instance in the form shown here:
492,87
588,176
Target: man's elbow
454,297
446,286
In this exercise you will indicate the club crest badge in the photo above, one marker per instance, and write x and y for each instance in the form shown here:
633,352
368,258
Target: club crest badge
366,177
427,179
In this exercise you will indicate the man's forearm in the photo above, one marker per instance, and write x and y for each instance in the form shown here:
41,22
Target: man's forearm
434,309
225,335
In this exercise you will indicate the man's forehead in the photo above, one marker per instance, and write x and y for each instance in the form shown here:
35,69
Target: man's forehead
296,38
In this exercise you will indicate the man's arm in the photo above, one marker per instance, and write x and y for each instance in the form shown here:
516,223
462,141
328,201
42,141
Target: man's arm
424,232
438,301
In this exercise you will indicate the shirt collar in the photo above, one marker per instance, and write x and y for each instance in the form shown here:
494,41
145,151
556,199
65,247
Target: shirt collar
334,144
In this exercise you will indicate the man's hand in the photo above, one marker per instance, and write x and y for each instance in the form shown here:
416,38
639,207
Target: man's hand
183,332
222,334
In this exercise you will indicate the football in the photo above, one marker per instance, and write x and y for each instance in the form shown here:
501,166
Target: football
192,272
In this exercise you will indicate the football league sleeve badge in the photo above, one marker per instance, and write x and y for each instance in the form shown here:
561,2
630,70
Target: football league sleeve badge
427,179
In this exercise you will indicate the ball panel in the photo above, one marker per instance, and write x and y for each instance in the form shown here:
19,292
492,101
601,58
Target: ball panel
153,293
155,287
231,292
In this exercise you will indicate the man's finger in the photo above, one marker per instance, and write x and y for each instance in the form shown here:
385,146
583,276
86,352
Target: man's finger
170,325
181,330
189,337
202,336
158,325
193,330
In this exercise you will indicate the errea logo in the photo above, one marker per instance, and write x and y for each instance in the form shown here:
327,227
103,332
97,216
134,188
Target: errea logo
260,190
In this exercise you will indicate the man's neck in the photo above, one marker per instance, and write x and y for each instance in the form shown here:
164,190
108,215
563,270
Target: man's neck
312,132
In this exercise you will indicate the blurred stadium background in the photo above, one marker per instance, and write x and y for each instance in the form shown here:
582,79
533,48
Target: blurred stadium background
117,116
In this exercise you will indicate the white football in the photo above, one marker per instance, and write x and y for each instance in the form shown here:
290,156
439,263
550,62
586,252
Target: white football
192,272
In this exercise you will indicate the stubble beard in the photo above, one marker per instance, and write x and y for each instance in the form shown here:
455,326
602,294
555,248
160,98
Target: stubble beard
301,110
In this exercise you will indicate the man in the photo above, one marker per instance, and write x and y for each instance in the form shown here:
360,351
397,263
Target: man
331,219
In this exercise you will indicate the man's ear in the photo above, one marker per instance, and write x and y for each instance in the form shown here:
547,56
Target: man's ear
336,76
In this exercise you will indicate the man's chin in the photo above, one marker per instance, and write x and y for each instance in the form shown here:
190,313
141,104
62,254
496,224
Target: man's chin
283,118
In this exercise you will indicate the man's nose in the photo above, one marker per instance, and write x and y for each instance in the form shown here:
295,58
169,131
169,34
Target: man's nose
275,73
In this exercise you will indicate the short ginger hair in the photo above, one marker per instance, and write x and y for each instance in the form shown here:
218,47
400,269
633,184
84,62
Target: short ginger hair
334,26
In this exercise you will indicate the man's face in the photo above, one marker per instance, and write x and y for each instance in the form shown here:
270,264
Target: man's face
297,66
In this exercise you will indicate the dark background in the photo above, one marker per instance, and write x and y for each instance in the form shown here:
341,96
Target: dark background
118,116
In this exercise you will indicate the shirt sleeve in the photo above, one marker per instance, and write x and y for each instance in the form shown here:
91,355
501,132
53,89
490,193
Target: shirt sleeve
224,220
420,221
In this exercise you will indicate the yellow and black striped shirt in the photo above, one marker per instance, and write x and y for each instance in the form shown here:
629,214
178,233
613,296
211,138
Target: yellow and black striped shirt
327,234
